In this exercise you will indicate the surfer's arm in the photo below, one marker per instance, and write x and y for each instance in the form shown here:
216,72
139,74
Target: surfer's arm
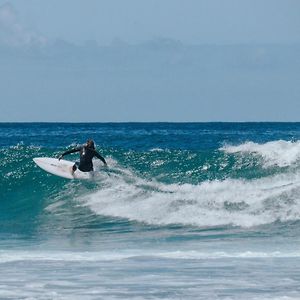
69,152
100,157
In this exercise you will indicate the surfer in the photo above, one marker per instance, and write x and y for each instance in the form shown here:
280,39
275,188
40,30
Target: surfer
87,152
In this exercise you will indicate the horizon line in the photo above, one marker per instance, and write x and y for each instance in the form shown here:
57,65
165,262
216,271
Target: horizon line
137,122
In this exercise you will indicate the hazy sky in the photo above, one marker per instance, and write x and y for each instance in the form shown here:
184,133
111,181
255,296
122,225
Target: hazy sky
191,21
44,79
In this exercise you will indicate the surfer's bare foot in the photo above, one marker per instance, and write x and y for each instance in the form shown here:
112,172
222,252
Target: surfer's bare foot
74,168
72,171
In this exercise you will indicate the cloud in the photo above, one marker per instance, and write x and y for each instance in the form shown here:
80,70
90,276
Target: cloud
13,33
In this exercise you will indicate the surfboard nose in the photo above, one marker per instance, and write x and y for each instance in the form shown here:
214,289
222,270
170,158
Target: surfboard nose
37,160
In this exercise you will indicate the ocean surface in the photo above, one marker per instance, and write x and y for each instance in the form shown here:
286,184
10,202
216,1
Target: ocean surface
184,211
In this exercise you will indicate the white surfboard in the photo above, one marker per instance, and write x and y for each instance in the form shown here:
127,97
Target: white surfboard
62,168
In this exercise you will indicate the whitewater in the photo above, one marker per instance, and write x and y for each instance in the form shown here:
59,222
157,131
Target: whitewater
184,211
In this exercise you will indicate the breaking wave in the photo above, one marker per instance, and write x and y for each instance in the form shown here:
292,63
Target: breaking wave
237,202
275,153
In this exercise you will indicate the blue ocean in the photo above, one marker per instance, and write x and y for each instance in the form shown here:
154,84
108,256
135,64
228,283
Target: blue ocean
184,211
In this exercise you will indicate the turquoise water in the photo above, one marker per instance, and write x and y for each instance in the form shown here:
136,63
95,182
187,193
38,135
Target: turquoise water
185,211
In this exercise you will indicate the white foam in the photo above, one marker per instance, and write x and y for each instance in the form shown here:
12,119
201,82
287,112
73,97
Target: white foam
243,203
156,150
9,256
93,256
276,153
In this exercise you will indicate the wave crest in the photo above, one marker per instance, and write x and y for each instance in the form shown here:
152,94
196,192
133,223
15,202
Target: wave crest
275,153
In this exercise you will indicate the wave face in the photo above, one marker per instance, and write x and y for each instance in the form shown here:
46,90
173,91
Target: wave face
160,175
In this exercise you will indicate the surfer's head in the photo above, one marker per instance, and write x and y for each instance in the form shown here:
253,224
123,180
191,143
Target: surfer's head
90,144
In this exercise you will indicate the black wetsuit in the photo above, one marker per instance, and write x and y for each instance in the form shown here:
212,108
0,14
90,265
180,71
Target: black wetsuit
86,157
